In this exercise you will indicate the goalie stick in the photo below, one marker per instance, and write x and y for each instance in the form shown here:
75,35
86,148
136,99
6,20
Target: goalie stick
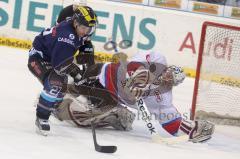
146,115
147,118
152,129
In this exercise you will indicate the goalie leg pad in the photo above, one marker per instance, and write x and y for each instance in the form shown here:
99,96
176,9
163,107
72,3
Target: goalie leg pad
122,119
118,117
62,113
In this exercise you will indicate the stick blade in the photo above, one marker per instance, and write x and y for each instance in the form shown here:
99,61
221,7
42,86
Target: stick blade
106,149
99,148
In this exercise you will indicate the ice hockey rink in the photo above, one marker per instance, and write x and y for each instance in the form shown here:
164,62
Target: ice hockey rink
18,139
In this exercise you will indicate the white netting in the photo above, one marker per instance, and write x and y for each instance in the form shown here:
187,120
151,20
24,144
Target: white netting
219,83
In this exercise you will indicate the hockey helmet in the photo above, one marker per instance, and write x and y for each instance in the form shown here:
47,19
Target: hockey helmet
85,15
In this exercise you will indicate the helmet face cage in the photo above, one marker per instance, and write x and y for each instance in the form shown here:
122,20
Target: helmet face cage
85,16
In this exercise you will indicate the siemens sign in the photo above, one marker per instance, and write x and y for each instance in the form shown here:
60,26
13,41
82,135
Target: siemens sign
33,16
118,24
16,13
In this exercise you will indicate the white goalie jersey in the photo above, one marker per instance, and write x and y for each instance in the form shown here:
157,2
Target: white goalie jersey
159,102
158,99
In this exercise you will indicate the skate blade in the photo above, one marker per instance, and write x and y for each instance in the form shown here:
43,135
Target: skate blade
42,132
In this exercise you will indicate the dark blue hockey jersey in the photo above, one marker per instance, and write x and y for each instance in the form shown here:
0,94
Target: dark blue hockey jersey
59,44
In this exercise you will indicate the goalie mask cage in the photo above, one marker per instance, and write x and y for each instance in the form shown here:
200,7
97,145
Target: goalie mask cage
216,95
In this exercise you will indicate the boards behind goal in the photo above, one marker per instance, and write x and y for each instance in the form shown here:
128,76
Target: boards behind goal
216,95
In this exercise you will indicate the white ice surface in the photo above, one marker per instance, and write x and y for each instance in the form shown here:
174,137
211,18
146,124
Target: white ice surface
18,140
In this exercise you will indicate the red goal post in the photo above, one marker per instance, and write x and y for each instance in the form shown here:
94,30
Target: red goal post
217,84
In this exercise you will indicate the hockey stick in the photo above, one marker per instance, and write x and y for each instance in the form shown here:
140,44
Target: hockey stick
155,136
100,148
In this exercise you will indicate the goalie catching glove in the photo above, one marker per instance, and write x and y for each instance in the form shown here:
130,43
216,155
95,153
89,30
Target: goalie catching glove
198,131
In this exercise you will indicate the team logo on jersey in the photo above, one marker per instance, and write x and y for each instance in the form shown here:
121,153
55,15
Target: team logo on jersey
71,36
66,40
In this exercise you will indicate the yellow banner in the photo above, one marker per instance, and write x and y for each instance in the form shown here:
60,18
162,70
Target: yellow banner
169,3
236,13
135,1
205,8
15,43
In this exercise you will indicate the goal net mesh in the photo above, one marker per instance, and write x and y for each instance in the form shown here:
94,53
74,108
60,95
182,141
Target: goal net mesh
218,92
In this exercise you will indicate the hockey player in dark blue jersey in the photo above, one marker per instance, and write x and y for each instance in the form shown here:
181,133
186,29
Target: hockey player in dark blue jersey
86,51
51,60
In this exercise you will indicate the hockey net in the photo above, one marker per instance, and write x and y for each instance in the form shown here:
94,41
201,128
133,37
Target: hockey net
216,94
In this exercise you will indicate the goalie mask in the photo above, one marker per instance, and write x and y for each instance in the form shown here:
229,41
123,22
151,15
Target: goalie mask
173,75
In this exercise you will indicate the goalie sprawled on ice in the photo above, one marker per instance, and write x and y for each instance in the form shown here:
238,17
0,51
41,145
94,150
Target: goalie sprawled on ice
111,88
